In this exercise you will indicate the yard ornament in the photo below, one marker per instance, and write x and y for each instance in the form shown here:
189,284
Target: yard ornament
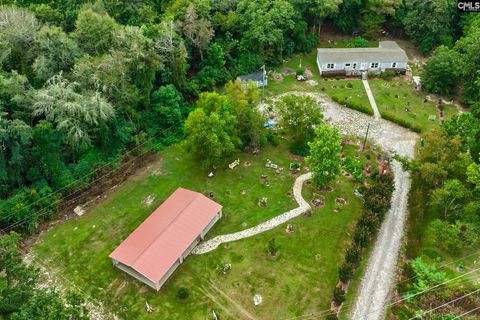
257,299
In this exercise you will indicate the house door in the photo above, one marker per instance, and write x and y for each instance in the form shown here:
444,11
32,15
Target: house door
363,66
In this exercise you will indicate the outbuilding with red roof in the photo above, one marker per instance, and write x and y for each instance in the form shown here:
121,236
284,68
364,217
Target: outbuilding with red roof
159,245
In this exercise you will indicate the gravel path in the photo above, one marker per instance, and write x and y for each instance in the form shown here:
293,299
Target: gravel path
303,206
378,279
376,113
372,297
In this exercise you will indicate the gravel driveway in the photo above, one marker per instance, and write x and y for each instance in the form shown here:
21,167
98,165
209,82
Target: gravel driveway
373,294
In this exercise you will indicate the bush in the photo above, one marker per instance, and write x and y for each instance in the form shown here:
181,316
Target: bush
361,237
349,85
353,255
354,167
345,272
183,293
331,316
387,75
338,295
353,105
273,138
401,122
358,42
300,71
339,77
272,247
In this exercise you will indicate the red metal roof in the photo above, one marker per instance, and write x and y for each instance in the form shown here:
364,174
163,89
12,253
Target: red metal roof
165,235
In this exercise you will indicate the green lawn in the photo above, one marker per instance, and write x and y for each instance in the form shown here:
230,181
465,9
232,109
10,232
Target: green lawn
299,281
394,96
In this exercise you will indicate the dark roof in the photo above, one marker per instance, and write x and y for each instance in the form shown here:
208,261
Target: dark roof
257,76
387,51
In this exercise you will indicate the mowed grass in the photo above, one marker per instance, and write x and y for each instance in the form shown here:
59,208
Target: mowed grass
394,96
299,281
391,96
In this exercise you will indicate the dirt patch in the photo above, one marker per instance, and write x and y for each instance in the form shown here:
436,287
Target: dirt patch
101,187
277,76
288,71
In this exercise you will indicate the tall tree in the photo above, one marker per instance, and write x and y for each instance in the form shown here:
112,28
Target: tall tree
430,23
198,30
299,116
324,158
441,73
94,31
18,27
265,23
73,113
171,46
56,52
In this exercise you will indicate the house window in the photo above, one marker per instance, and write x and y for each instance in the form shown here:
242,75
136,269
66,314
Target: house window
347,64
354,66
394,65
330,65
374,65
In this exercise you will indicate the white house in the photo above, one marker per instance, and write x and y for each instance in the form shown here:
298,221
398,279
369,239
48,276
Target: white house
355,61
260,78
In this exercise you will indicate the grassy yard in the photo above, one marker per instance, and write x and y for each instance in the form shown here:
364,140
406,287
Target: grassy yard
300,280
394,96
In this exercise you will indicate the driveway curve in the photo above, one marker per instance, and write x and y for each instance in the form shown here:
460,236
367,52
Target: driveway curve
374,290
377,281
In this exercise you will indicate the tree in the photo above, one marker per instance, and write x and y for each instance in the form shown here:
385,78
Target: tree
442,71
73,113
171,46
468,47
18,27
22,299
451,197
208,137
324,158
467,127
430,23
198,31
244,100
94,31
265,24
299,116
56,52
168,110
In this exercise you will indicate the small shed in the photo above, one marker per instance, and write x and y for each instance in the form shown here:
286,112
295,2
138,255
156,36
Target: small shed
160,244
260,78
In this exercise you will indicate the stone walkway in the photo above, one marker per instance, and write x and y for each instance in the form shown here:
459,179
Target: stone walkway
373,103
303,207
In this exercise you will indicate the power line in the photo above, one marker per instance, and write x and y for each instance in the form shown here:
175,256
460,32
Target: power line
363,316
12,213
346,306
44,210
445,304
464,314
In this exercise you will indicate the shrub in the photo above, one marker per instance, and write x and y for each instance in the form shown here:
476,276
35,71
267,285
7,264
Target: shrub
361,237
402,122
272,138
345,272
331,316
300,71
353,255
339,77
358,42
387,75
349,85
338,295
183,293
272,247
354,167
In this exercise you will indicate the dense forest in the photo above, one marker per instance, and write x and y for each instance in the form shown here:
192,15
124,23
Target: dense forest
84,82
